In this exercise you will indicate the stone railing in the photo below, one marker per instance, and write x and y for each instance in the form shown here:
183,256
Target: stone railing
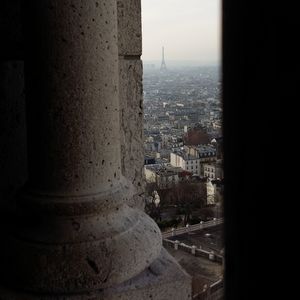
189,228
211,255
214,291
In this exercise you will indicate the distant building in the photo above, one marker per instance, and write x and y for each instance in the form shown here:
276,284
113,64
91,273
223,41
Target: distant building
213,170
164,177
153,144
209,170
196,136
205,153
185,161
165,140
149,160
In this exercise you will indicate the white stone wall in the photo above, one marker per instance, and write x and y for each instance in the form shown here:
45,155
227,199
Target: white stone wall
177,161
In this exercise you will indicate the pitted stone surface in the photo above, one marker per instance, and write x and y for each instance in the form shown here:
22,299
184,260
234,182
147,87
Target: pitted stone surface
99,251
74,208
163,279
74,111
131,117
130,29
131,99
74,236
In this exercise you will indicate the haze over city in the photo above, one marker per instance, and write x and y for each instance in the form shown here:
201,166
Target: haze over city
183,142
189,30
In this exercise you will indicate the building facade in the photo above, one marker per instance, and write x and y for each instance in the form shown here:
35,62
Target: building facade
185,161
163,176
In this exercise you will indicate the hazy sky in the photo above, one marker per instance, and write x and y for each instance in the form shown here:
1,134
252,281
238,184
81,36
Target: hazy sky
188,29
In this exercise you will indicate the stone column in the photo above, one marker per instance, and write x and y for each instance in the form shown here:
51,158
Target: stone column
75,231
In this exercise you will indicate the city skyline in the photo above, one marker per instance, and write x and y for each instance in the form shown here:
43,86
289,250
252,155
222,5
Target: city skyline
187,32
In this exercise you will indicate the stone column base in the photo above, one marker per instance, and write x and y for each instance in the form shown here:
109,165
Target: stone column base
164,279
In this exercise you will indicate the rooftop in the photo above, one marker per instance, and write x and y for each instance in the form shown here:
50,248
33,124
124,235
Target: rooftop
164,170
201,269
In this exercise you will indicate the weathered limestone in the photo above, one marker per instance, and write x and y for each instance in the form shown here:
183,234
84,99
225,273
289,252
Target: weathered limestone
163,279
131,118
131,95
130,29
76,232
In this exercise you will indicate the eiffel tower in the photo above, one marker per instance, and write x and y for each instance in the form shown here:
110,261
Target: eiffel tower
163,66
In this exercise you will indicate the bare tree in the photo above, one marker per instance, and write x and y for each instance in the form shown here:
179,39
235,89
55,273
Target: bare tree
189,196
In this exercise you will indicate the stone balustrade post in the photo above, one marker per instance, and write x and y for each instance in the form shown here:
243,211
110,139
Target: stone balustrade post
173,231
193,248
187,228
201,224
211,255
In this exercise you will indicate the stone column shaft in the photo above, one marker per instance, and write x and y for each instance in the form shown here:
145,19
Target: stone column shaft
73,109
75,232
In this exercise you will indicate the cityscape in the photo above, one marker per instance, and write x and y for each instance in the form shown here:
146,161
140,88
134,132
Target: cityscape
129,136
112,179
184,168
